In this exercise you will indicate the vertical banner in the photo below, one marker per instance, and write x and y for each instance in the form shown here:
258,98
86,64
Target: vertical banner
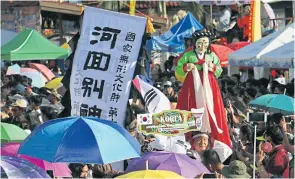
255,31
132,4
104,63
255,21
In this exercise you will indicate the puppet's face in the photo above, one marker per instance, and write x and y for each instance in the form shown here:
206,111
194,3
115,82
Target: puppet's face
202,45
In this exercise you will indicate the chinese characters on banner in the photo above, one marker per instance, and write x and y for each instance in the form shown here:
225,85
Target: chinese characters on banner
104,63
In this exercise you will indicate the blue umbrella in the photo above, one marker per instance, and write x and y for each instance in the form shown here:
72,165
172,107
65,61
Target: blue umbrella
275,103
14,167
80,140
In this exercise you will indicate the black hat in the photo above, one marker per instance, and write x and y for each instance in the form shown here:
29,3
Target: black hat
204,33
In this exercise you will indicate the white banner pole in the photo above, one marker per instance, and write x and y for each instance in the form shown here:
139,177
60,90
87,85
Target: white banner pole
254,156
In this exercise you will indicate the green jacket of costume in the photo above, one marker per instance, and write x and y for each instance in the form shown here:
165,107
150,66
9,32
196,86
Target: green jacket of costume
190,57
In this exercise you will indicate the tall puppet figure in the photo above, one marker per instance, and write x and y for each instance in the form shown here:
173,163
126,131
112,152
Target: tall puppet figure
199,68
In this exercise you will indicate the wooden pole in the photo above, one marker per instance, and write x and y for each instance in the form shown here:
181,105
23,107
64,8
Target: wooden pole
164,9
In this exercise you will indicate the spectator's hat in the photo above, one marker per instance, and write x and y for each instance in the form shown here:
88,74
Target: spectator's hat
199,134
55,93
236,169
20,103
168,83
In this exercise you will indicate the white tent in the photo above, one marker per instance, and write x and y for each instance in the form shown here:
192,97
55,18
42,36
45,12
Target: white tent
250,54
282,57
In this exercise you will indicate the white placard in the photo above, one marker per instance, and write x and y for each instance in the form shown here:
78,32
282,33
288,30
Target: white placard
104,63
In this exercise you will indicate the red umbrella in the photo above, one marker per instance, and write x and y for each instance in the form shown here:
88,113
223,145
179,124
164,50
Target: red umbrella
43,69
221,52
237,45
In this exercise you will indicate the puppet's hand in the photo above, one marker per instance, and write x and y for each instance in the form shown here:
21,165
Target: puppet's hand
190,66
210,66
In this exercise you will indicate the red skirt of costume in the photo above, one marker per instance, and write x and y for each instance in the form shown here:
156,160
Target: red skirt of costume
187,101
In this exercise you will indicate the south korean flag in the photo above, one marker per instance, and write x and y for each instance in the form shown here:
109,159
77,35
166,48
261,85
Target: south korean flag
144,119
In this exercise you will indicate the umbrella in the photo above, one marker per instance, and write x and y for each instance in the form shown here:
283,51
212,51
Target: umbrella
151,174
178,163
43,69
38,80
222,53
59,169
275,103
57,85
237,45
13,167
12,70
24,70
12,133
54,84
80,140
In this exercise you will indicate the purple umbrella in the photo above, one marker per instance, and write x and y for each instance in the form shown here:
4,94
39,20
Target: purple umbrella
178,163
13,167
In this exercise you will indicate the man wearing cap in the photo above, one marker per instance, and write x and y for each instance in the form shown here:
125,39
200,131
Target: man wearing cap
54,99
18,111
236,169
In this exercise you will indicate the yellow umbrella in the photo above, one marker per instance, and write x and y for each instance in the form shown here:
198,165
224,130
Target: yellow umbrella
65,46
54,84
151,174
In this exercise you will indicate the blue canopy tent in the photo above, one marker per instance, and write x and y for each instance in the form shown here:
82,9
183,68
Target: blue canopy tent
6,36
173,40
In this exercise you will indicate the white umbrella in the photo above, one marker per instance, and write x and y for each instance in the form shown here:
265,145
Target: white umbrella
250,54
282,57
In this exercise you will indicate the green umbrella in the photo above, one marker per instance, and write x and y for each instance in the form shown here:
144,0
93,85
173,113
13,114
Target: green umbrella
275,103
12,133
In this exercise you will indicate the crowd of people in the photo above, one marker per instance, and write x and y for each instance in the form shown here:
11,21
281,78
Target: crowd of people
28,107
